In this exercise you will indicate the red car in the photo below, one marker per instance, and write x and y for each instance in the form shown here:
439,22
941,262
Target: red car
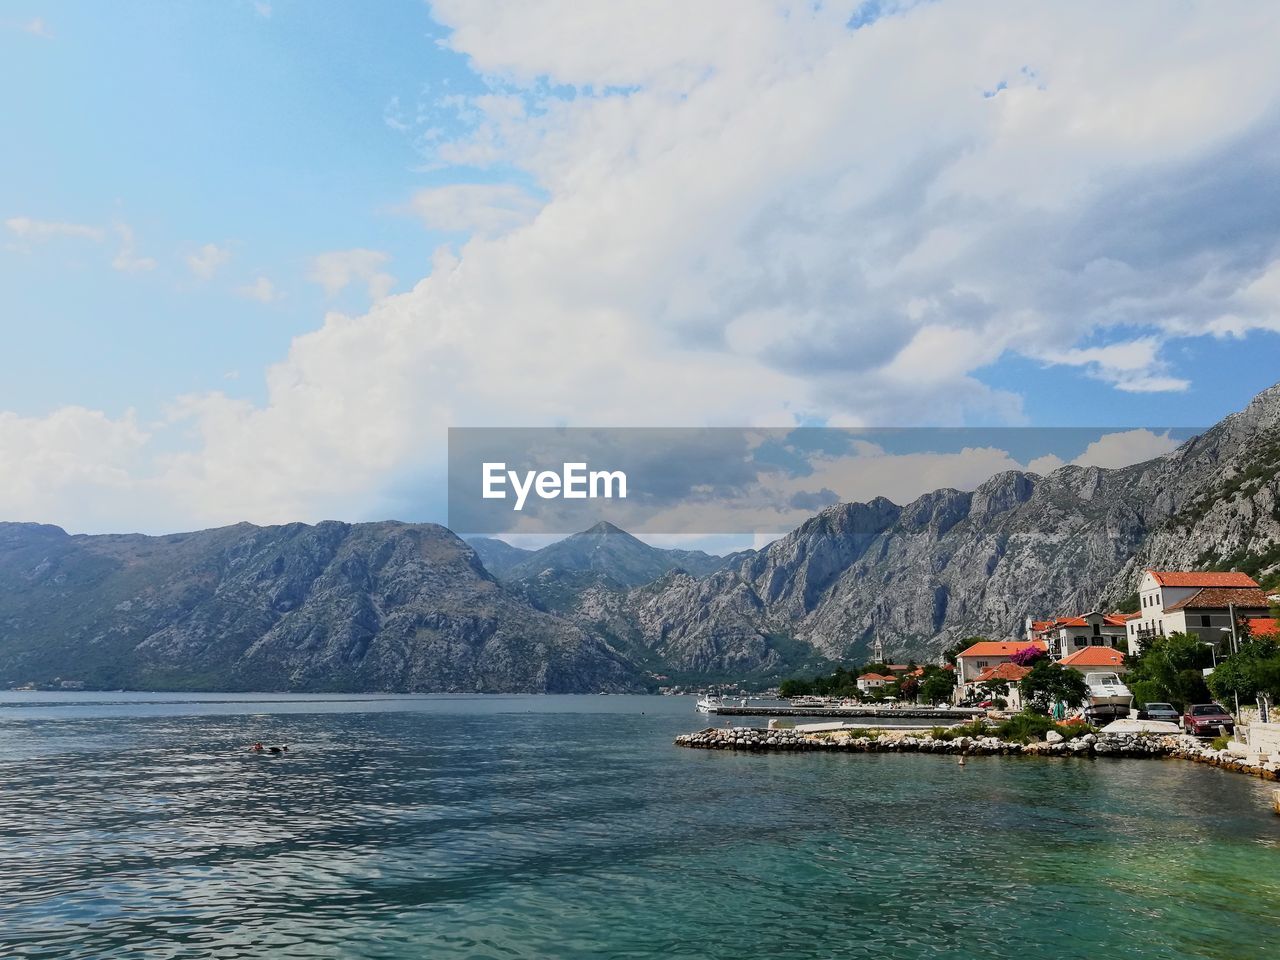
1207,720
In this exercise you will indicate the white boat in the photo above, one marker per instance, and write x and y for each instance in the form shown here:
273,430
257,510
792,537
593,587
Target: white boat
709,704
1107,696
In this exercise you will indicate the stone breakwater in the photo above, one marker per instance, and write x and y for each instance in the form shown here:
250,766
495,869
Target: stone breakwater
1089,745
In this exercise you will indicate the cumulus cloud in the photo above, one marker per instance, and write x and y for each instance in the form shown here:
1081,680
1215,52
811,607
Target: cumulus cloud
76,466
261,290
338,269
1125,448
485,209
206,261
753,212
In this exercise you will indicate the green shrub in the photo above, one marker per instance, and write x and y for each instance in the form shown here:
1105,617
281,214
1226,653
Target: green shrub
1024,727
1075,728
1220,743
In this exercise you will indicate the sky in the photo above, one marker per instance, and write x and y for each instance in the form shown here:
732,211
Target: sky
257,257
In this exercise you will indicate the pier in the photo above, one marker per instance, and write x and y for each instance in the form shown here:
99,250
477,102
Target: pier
847,713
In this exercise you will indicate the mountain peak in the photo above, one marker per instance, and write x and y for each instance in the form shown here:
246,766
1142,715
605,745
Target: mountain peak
602,529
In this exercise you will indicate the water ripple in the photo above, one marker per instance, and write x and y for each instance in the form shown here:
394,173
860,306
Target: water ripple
559,828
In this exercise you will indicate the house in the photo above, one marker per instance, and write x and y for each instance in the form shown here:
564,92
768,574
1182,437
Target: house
1009,674
1065,635
1096,660
972,661
1200,603
873,681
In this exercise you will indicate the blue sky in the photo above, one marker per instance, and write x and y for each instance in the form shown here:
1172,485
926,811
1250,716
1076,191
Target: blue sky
200,123
257,258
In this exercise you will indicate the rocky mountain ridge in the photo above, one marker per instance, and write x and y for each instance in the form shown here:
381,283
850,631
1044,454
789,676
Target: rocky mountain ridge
394,606
335,606
952,564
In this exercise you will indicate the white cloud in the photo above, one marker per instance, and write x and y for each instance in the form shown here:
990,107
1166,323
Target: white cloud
262,9
1133,366
261,289
37,27
73,464
748,212
1126,447
336,270
206,261
484,209
125,259
26,228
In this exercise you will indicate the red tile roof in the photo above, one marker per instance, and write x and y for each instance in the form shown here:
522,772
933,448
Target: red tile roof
1264,627
1109,619
1094,657
1003,671
1217,598
874,676
1195,578
1001,648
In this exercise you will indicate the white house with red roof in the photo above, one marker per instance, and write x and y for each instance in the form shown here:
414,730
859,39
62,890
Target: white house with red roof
1009,675
1096,660
973,661
874,681
1201,603
1066,635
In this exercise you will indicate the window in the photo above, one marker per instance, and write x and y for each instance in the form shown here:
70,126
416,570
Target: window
1097,642
1205,620
1078,641
1097,630
982,664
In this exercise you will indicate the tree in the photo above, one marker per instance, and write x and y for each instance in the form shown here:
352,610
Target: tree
1169,669
1247,672
1049,683
794,687
909,688
937,684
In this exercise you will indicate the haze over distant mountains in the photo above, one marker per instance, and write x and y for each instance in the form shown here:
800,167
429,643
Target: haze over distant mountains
394,606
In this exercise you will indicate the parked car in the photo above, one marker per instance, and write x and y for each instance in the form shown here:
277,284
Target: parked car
1207,720
1159,711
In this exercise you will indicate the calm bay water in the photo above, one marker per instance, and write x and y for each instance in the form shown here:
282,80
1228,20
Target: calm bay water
139,826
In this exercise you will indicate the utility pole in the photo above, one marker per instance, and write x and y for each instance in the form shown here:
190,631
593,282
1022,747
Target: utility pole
1235,647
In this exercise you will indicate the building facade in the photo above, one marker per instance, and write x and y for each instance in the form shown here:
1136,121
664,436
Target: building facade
1202,604
1066,635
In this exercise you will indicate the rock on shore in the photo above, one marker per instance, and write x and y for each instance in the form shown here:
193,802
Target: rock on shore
1089,745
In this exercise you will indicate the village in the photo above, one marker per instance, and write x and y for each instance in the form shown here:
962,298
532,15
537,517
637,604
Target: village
1195,669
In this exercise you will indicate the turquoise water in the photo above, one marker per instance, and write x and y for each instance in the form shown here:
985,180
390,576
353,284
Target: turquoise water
138,826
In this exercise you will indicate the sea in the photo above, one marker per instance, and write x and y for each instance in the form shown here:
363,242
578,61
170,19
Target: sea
140,825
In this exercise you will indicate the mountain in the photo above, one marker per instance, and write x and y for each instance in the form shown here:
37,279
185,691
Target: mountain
394,606
952,564
498,556
335,606
609,552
